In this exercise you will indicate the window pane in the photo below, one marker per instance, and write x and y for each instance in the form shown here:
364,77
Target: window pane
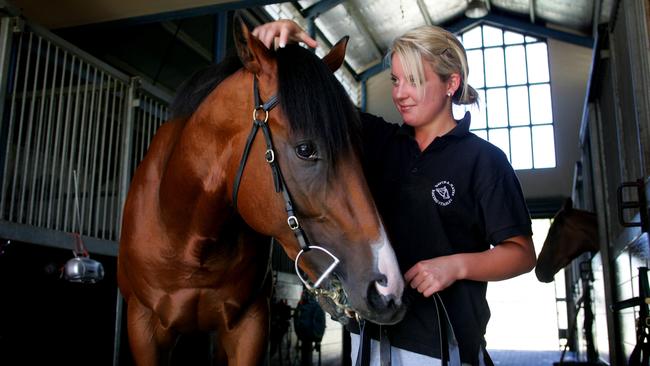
543,146
494,67
512,38
500,139
472,38
537,63
481,133
478,113
492,36
541,110
530,39
475,63
516,60
522,157
518,106
458,111
497,108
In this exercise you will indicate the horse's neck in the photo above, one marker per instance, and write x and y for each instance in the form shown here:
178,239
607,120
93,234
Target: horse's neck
193,185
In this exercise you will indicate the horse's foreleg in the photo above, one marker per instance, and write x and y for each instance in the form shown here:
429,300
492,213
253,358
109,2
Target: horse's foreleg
246,343
149,342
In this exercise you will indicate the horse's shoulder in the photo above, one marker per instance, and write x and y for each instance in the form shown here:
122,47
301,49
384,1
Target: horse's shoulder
162,144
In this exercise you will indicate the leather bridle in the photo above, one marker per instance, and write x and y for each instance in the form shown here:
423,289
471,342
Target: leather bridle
278,180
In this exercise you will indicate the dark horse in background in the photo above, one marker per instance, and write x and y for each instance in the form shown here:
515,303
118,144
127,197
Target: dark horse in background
194,249
572,233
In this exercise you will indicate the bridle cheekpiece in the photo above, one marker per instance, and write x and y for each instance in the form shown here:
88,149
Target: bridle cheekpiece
280,185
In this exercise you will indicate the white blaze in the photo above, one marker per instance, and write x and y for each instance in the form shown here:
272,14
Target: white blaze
387,264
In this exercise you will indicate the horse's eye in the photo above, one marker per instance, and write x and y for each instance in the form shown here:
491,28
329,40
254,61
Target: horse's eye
307,151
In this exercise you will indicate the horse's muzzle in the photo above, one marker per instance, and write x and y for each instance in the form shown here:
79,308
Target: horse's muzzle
384,309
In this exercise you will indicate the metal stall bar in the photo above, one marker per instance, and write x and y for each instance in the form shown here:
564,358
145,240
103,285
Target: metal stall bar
6,38
61,105
127,144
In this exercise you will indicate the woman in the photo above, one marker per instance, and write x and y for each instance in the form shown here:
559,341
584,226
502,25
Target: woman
451,201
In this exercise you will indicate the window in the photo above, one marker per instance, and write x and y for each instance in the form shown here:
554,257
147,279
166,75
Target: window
511,74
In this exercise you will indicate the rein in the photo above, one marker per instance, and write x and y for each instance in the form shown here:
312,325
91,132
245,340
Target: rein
280,186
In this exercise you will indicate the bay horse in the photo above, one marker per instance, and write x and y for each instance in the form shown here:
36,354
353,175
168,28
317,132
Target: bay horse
572,233
194,246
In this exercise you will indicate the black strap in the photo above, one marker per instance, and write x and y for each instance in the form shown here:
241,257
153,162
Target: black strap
278,180
451,353
363,356
449,350
384,346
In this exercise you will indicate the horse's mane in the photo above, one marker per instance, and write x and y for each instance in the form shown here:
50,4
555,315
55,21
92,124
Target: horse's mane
198,86
311,97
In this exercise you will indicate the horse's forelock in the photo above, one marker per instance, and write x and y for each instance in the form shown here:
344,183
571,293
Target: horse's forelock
315,103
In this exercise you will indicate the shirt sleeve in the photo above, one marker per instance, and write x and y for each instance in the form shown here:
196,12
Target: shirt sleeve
376,133
501,200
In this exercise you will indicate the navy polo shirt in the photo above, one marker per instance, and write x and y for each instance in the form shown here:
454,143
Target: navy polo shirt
459,195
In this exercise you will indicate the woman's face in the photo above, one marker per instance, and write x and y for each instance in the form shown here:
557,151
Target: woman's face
418,109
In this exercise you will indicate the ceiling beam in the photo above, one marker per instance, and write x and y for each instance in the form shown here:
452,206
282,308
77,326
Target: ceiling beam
595,22
177,14
363,27
517,25
372,71
425,12
319,8
174,29
532,11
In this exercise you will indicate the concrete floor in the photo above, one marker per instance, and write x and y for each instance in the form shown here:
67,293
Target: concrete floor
500,358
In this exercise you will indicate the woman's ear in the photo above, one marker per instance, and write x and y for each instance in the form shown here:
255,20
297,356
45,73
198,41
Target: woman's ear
453,83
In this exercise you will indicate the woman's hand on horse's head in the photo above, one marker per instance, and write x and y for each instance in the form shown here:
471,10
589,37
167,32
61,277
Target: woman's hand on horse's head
286,31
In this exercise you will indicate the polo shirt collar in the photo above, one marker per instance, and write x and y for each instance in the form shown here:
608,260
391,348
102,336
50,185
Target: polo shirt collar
461,129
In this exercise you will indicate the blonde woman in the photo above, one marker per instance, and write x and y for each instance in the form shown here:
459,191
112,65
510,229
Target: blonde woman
450,200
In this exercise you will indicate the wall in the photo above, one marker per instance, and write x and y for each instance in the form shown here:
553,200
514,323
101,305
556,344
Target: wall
569,67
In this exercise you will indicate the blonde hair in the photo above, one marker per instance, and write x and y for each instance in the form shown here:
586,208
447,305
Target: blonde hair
442,50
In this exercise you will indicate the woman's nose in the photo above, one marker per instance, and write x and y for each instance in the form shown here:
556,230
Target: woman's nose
399,91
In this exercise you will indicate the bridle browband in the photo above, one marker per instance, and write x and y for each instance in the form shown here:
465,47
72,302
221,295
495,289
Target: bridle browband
278,181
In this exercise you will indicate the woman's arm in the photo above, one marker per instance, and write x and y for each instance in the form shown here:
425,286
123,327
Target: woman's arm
286,31
510,258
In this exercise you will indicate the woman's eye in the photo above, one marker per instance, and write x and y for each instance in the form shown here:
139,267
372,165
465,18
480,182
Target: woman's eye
307,151
412,80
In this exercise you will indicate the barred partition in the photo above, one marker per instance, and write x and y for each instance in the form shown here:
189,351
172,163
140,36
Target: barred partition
65,111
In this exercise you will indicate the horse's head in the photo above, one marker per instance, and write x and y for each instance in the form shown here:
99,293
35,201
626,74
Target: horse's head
572,233
315,137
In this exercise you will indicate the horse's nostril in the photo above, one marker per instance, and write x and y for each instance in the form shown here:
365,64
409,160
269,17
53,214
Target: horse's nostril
377,300
383,281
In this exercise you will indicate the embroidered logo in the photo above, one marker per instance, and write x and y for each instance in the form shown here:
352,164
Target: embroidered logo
443,193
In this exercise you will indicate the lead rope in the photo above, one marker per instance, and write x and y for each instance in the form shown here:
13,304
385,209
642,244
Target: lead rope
450,355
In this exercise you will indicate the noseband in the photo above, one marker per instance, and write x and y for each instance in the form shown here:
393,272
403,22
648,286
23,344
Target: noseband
278,181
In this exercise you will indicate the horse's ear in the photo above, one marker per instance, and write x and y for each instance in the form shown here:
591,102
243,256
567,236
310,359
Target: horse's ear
251,51
334,59
568,204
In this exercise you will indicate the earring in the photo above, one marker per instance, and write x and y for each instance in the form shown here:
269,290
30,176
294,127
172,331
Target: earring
448,94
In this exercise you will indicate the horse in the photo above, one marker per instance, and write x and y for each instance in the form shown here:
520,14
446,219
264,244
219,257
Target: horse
194,245
572,233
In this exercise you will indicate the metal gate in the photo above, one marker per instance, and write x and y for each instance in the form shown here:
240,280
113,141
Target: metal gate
66,113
